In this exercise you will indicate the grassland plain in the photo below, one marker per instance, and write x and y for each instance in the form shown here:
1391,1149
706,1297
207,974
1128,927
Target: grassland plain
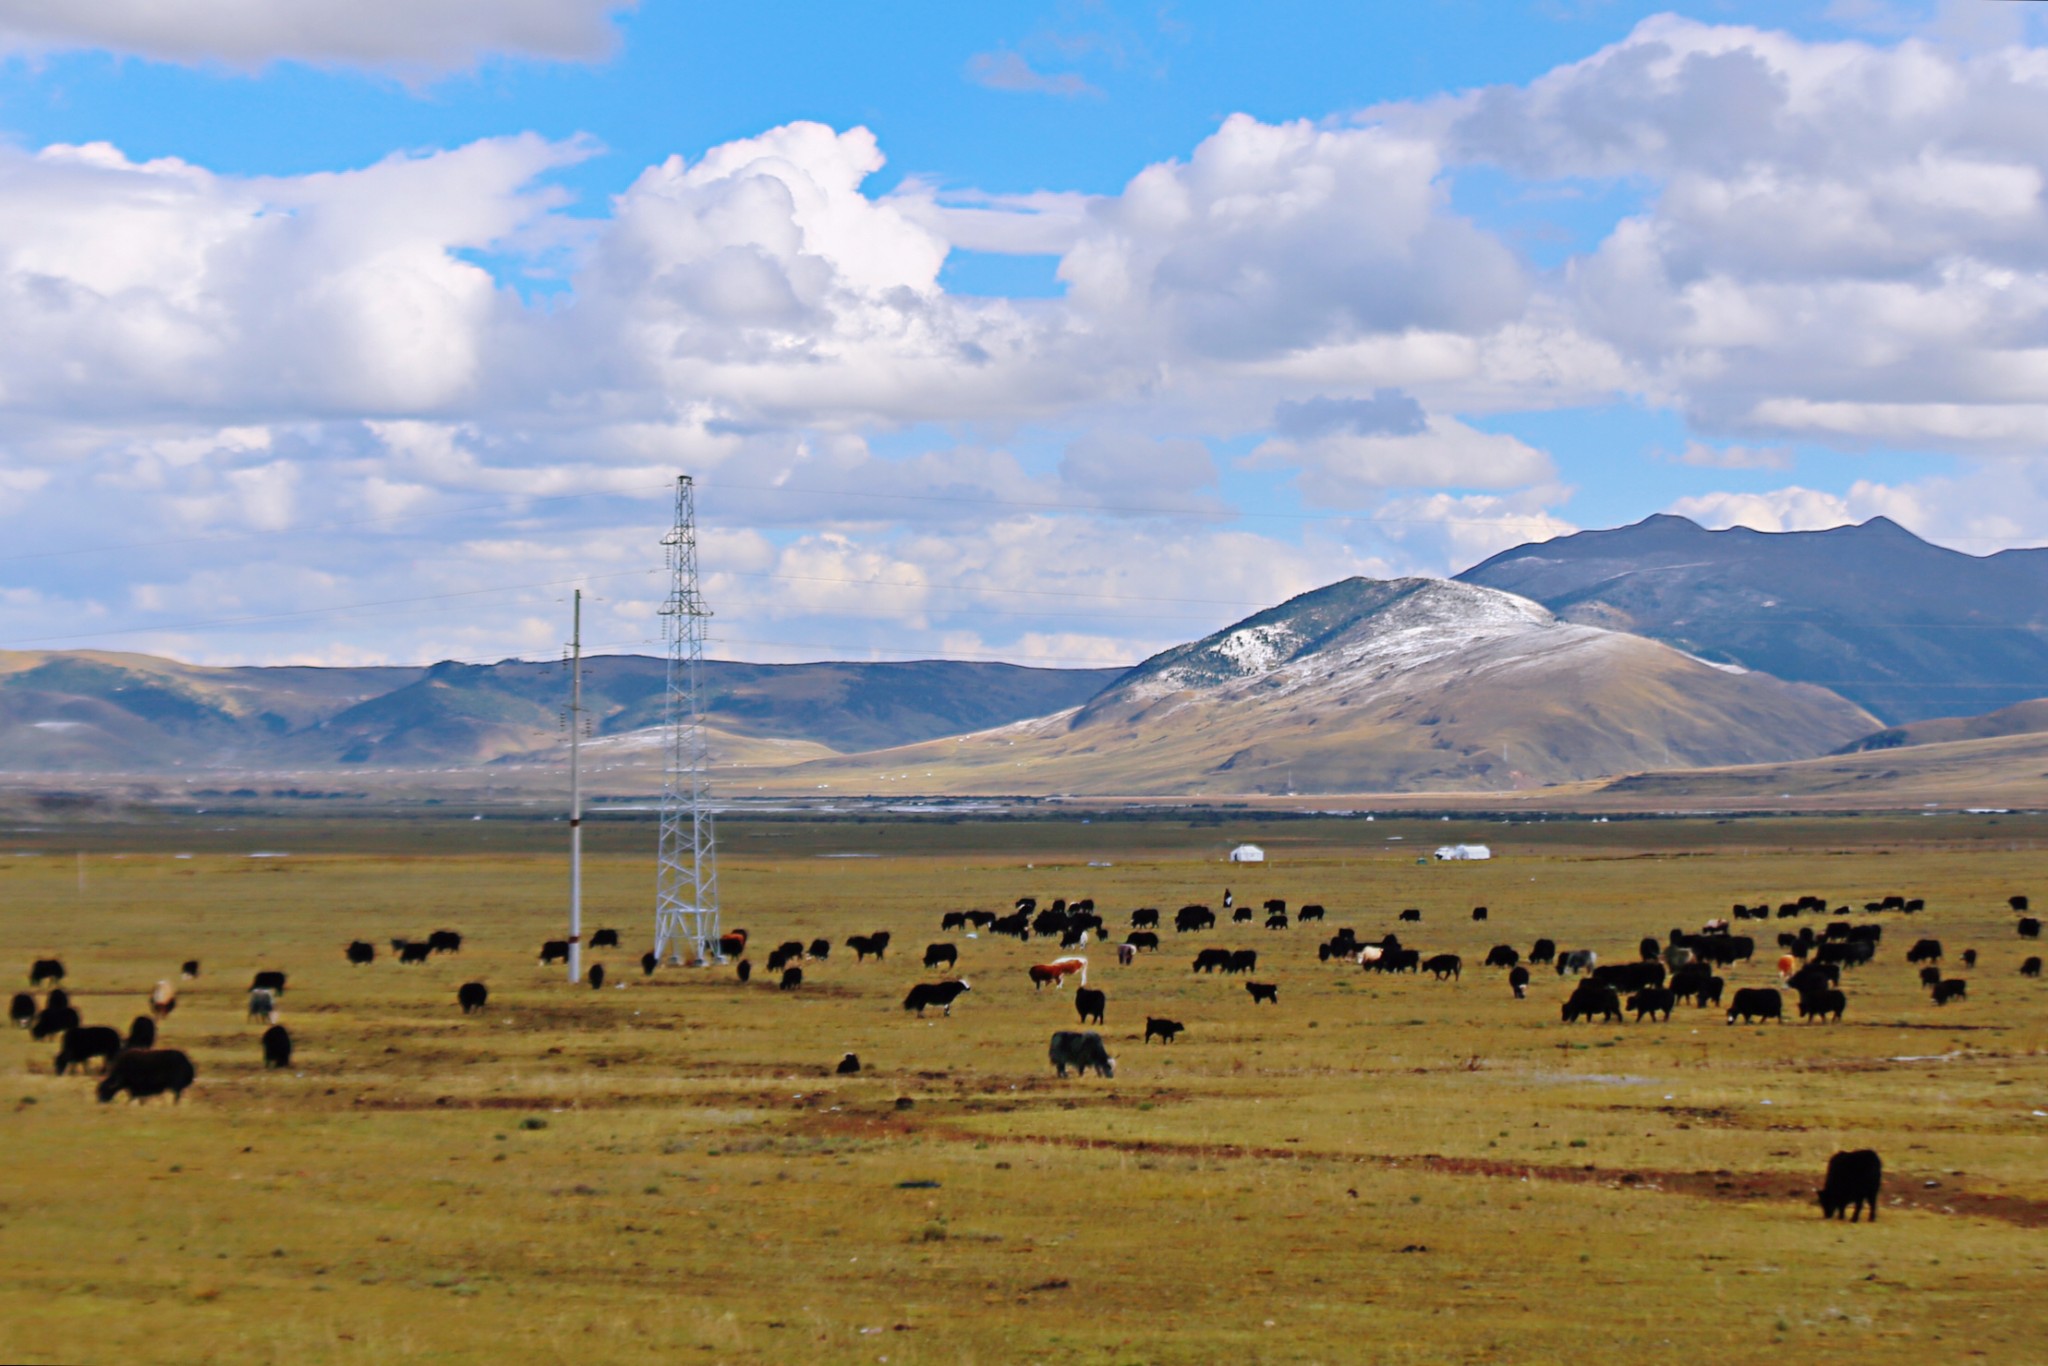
1377,1169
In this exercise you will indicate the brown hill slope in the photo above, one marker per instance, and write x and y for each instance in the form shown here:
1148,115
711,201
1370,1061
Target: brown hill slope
2024,718
2002,771
1368,686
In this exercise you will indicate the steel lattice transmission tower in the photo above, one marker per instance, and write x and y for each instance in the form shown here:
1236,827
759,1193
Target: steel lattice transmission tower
686,884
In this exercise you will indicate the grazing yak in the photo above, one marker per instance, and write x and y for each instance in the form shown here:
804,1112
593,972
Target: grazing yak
1757,1003
45,970
865,946
1951,989
792,978
1574,961
605,939
445,941
1145,918
1518,978
1411,914
262,1006
1163,1030
1590,1000
1242,960
1502,956
940,955
190,970
360,953
820,949
1926,951
1479,912
415,951
744,969
1208,960
1143,939
1651,1001
2018,903
1312,911
163,999
2030,928
1444,965
146,1072
56,1017
1542,951
940,994
1851,1185
732,945
141,1033
1082,1051
272,982
1702,988
2031,968
952,920
554,951
277,1047
1969,958
648,963
848,1066
1190,918
1057,972
1263,991
1820,1003
1930,976
472,997
1089,1001
23,1010
83,1042
596,976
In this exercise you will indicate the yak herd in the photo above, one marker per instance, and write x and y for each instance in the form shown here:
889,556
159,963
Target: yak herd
1682,968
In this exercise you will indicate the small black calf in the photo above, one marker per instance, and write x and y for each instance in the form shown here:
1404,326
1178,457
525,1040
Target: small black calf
1163,1030
277,1047
1263,991
792,978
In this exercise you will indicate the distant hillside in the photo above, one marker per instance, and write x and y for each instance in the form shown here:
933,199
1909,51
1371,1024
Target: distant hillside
94,711
1370,686
1907,629
2004,771
2025,718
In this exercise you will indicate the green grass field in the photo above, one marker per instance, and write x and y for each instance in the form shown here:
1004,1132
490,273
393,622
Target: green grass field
1378,1169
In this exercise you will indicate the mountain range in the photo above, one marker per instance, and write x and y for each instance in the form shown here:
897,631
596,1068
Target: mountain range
1908,629
1378,686
1658,646
92,711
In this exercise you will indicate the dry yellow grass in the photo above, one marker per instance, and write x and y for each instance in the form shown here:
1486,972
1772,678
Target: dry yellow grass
1379,1169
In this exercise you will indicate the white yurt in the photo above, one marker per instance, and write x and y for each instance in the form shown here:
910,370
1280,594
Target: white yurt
1247,853
1450,852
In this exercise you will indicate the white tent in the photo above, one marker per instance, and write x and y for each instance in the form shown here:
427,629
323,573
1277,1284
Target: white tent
1247,853
1463,851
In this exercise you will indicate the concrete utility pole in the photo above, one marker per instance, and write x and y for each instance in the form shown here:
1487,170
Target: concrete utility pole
576,791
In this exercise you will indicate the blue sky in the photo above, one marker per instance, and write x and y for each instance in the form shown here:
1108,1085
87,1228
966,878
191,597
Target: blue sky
979,324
